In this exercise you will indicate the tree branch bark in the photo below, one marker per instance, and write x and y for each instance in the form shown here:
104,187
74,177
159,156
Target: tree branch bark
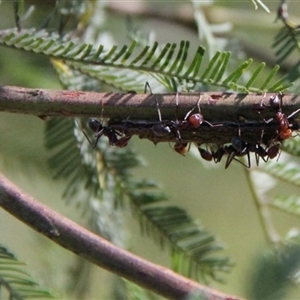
97,250
215,106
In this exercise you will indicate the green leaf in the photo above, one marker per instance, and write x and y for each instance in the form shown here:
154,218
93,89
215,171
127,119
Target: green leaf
16,281
289,204
118,66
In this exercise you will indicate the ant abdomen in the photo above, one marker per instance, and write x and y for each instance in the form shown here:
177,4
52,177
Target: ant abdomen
205,154
95,125
160,129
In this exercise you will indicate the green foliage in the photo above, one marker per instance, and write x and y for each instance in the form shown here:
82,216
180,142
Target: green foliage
286,172
100,181
161,62
286,41
105,173
275,271
134,292
15,281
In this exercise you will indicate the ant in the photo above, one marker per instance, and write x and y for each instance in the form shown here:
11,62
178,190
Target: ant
265,154
181,148
195,120
159,129
238,148
285,130
230,150
162,129
211,155
205,154
111,134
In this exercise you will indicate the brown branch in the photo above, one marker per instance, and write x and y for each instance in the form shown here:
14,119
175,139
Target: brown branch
97,250
215,106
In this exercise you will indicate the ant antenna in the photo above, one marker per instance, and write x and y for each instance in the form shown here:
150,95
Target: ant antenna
159,129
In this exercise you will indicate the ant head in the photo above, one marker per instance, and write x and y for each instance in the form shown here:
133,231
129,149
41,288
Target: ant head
276,100
95,125
238,144
196,120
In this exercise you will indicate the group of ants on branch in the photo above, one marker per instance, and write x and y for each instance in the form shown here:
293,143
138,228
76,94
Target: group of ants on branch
214,140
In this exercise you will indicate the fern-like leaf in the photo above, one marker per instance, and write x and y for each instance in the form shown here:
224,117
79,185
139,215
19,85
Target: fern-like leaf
292,146
97,62
289,204
287,172
286,42
15,281
192,246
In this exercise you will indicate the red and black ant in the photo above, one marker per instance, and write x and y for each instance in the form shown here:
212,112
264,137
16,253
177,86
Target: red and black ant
164,128
190,120
284,126
195,120
205,154
111,134
210,155
285,131
239,148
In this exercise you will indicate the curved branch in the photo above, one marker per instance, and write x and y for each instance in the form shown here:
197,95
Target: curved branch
97,250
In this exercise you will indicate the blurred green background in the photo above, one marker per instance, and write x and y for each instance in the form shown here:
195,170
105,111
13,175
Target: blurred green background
220,199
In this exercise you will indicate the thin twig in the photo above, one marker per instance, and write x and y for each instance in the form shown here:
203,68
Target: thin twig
97,250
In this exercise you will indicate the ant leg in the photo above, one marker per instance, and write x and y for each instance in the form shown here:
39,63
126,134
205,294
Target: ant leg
97,127
158,111
293,113
176,123
86,136
232,157
84,133
147,85
218,154
231,152
160,129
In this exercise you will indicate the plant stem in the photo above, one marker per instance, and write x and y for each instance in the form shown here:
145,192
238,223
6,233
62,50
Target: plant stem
215,106
97,250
